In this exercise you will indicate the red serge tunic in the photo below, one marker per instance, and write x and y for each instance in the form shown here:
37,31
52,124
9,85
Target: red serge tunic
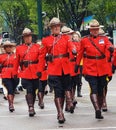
7,62
58,46
30,54
95,66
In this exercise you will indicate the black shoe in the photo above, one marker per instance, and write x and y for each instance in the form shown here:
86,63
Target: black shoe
41,105
71,110
74,103
5,97
31,112
46,92
11,108
61,119
98,115
104,109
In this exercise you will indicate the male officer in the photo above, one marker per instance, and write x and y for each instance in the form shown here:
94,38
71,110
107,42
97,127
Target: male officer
93,47
56,46
28,57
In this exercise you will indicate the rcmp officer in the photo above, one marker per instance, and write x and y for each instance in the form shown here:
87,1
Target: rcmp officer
76,38
72,60
42,81
93,48
56,46
7,61
28,57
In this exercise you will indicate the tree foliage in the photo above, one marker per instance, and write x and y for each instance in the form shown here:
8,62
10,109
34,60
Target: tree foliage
23,13
15,15
103,9
71,12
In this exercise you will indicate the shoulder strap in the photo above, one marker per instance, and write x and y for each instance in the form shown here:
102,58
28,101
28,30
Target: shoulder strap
26,52
96,46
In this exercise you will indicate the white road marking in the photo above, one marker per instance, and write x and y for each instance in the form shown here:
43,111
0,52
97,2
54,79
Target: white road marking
94,128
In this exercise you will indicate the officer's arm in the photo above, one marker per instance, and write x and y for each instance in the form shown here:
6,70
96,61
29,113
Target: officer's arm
16,63
41,59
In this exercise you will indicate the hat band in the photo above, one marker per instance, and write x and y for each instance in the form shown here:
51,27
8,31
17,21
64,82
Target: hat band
94,26
66,32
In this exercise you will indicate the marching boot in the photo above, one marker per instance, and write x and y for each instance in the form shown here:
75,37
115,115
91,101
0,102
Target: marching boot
94,101
60,115
104,105
40,97
73,96
79,91
62,103
10,101
30,103
100,101
69,103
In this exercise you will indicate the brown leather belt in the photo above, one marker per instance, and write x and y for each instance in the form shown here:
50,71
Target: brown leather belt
30,62
72,60
94,57
61,55
8,66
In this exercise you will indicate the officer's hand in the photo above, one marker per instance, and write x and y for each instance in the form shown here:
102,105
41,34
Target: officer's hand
74,52
76,68
111,49
39,74
113,69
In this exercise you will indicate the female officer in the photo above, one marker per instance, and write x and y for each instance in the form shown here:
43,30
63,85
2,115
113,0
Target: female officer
7,61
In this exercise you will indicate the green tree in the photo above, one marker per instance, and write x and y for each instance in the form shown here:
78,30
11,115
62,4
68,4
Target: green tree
71,12
15,14
103,9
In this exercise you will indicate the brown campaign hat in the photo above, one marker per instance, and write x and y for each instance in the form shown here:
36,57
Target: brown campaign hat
8,43
94,24
26,32
66,30
55,21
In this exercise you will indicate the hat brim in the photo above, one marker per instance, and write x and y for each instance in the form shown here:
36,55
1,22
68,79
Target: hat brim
10,44
54,24
90,27
27,34
70,32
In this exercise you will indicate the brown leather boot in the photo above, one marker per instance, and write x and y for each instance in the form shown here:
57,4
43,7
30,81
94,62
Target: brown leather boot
30,103
62,103
40,97
73,96
69,103
60,115
104,105
100,101
10,101
94,100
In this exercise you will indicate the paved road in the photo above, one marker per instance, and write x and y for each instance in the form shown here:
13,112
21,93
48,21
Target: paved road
82,119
